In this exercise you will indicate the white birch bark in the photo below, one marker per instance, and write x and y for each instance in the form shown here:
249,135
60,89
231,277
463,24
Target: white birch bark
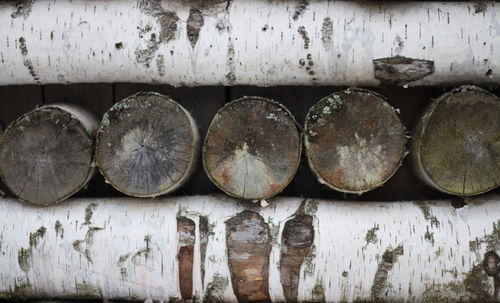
126,248
191,43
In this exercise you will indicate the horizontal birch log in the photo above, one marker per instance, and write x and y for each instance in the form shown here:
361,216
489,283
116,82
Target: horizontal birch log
330,251
252,148
456,146
354,140
191,43
147,145
47,154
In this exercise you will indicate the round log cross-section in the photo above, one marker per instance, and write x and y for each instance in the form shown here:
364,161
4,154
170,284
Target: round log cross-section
456,147
354,140
147,145
46,155
252,149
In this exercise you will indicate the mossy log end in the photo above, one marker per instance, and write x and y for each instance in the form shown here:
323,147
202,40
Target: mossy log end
354,140
252,148
47,154
456,145
147,145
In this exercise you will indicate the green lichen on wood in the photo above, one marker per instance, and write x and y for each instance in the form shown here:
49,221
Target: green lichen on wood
23,259
492,240
429,236
35,237
476,283
309,261
443,292
87,290
215,289
344,274
83,246
312,207
424,207
389,257
89,212
318,292
371,235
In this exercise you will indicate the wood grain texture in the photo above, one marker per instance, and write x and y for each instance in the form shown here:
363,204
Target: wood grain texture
185,255
248,247
456,146
252,148
147,145
354,140
47,154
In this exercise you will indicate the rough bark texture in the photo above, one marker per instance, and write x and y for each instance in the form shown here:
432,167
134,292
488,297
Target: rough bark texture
47,154
252,148
456,147
421,251
354,140
185,256
236,42
248,248
147,145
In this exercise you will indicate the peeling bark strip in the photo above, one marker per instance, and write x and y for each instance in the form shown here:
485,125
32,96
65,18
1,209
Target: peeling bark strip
47,154
456,147
147,145
354,140
185,255
248,248
297,239
221,42
400,70
204,233
252,149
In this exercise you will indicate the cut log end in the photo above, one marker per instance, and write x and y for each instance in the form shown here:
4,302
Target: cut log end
456,148
354,140
47,154
252,149
147,145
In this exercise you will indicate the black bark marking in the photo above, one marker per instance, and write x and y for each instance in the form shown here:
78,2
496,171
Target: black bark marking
119,45
303,33
248,246
401,70
59,229
47,155
204,233
26,61
298,236
160,64
326,33
185,255
300,8
252,149
23,8
194,23
491,265
147,145
24,255
480,6
83,246
89,211
385,265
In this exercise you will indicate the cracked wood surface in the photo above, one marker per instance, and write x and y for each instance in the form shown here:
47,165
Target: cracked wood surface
47,154
456,148
194,43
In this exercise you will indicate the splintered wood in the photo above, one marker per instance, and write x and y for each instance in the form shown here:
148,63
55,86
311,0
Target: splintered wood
252,148
354,140
147,145
47,154
456,148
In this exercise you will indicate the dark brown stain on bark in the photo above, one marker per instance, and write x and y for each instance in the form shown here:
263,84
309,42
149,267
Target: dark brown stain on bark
248,246
185,255
401,70
194,23
491,265
204,232
298,236
166,19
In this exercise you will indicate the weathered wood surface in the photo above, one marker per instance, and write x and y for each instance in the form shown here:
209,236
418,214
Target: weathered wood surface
235,42
252,148
421,251
147,145
354,140
47,154
456,148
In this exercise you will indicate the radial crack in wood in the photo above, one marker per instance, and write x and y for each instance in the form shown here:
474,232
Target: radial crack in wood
248,249
47,154
252,148
456,146
147,145
354,140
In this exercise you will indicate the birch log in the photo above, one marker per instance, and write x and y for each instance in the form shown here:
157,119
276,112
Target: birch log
252,148
354,140
456,147
147,145
191,43
421,251
47,154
